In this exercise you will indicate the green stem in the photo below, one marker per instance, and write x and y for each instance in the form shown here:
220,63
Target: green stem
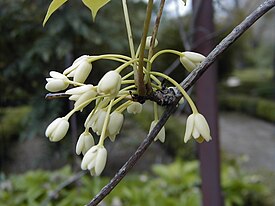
155,79
123,106
165,51
128,82
108,56
75,83
119,99
125,65
105,124
184,93
80,106
140,80
127,88
127,75
129,32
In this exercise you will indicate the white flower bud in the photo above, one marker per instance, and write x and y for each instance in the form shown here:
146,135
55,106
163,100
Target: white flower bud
148,41
134,108
161,135
115,124
95,160
80,69
194,57
80,89
84,143
191,59
82,72
75,64
57,83
110,83
197,126
57,129
81,95
98,125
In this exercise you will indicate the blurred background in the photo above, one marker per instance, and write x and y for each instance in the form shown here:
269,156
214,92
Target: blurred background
35,171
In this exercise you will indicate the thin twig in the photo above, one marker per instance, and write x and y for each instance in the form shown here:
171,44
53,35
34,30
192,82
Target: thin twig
140,80
186,84
152,43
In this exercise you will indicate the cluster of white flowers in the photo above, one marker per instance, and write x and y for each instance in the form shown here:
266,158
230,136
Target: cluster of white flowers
112,96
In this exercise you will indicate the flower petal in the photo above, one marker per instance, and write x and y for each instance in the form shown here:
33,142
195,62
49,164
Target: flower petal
202,126
88,157
100,161
80,144
189,127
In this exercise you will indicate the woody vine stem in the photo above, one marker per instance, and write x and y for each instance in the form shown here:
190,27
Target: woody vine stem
186,84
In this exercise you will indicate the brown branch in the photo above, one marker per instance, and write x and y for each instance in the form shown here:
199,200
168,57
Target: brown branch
186,84
152,43
140,77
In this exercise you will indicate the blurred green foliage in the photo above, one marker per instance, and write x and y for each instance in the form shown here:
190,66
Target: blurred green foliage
175,184
12,121
257,82
258,107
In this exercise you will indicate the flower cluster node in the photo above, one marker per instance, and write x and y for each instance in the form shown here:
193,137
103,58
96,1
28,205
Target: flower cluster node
111,97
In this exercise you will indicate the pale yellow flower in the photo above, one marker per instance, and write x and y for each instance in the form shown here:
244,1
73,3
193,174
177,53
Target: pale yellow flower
95,160
197,127
57,129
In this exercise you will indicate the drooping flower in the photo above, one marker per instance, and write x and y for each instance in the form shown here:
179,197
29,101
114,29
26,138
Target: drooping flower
84,143
57,82
197,127
95,160
80,69
115,124
109,84
99,119
81,95
57,129
134,108
161,135
191,59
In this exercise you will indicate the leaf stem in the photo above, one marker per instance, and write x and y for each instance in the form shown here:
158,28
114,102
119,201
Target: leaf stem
129,33
105,124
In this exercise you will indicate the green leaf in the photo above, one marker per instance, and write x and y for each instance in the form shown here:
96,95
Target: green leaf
52,8
95,5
